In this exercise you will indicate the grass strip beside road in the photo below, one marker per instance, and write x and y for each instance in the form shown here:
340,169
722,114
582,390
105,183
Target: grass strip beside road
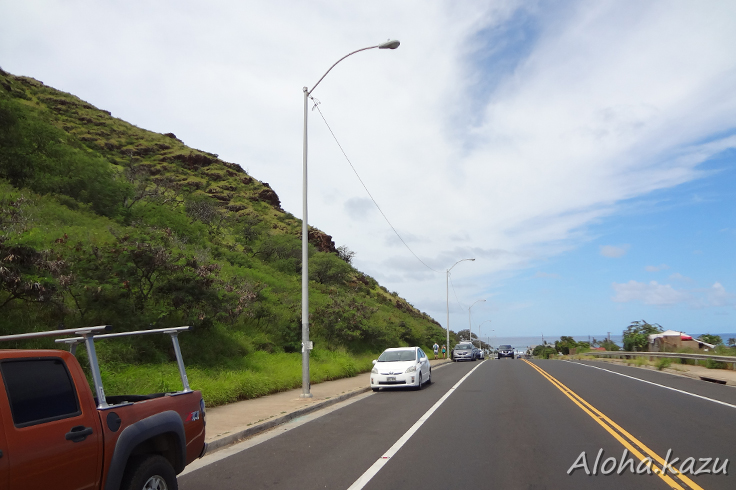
635,447
257,374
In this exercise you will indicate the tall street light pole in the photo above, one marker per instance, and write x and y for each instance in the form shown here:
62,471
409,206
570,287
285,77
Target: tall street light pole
447,345
306,345
470,328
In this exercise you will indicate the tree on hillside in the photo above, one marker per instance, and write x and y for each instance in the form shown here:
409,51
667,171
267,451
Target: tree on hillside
326,268
609,345
636,335
565,344
543,351
463,334
345,254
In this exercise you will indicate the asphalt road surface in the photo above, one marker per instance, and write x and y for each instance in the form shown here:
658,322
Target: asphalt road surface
503,424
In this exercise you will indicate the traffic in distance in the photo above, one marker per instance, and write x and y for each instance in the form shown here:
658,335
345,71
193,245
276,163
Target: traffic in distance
466,351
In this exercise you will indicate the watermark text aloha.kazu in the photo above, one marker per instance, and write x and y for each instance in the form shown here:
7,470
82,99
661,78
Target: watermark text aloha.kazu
610,465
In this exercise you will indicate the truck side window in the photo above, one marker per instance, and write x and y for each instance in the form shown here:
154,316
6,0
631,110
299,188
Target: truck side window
39,390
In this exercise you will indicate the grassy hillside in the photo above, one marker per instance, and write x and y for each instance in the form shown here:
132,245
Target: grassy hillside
102,222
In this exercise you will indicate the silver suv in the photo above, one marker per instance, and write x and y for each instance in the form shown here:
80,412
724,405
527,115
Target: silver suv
464,352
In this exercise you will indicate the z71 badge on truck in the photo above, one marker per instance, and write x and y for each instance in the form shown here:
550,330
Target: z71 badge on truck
56,434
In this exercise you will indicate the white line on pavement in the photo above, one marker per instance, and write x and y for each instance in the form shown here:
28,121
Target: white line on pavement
656,384
228,451
376,467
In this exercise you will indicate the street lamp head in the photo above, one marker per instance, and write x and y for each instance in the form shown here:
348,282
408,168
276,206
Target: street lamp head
390,44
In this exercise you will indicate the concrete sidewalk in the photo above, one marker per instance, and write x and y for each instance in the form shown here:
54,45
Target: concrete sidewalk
230,423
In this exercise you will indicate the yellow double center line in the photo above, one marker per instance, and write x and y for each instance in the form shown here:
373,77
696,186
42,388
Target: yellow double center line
635,446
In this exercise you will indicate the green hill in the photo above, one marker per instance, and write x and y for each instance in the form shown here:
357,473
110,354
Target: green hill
102,222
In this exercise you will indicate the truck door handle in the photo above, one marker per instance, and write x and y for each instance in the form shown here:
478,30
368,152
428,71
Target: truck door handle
78,433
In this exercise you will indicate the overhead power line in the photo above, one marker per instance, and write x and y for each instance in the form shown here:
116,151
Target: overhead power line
455,293
316,106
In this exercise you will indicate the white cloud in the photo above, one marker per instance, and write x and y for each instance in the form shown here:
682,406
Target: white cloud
718,296
656,294
652,293
679,277
614,252
656,268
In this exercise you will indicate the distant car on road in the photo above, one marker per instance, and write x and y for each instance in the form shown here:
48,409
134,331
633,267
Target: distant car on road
505,351
464,351
481,354
400,367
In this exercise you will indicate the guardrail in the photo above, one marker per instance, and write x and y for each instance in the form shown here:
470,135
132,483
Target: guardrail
676,355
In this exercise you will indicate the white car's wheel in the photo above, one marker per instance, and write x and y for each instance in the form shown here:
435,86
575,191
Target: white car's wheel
419,382
429,379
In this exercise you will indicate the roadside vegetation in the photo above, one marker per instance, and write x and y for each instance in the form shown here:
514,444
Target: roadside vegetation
102,222
569,346
636,339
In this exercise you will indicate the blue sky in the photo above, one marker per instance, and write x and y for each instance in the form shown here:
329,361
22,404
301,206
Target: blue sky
658,259
582,152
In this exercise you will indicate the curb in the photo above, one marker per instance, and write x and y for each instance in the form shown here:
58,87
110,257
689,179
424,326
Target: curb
270,424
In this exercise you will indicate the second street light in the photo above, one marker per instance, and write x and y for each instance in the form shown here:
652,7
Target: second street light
470,328
306,344
448,301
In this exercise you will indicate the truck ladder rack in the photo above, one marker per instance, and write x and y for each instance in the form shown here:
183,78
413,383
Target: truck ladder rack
88,336
55,333
173,332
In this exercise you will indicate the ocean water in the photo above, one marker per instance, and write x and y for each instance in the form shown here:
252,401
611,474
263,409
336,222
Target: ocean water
522,343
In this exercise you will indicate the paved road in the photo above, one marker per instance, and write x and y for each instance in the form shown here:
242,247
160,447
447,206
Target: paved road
508,424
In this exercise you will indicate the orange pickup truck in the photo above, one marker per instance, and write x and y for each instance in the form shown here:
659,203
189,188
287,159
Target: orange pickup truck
56,434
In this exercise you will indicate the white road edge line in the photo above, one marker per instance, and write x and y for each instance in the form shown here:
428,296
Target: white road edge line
656,384
228,451
376,467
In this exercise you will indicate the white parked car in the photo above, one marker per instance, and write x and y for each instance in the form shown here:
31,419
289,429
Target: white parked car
399,367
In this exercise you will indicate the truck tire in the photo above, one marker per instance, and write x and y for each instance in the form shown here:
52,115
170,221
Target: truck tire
152,472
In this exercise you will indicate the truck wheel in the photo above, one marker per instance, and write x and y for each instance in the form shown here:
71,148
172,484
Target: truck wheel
149,473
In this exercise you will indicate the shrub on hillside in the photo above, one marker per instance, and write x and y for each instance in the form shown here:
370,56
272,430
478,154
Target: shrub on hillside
326,268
